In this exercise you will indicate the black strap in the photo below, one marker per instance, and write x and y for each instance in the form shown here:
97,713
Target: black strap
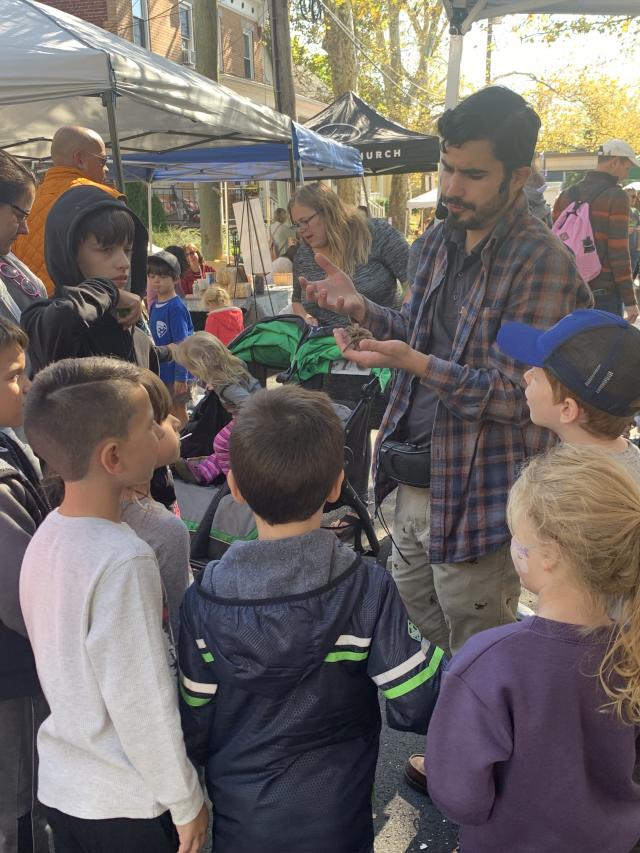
200,541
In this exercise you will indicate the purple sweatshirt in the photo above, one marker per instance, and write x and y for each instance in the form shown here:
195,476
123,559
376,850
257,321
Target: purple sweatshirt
519,752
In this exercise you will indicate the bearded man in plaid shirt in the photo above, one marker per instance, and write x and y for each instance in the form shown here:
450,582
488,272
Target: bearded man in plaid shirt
457,405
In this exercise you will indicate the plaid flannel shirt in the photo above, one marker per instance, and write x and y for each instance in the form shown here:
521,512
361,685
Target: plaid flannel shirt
481,432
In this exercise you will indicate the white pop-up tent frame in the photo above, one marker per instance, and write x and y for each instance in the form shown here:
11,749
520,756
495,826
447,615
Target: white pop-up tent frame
463,13
57,69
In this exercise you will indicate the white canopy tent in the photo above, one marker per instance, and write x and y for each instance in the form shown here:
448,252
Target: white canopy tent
424,201
463,13
57,69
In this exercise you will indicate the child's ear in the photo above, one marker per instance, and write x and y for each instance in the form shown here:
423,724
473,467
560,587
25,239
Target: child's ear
550,556
334,494
108,457
236,494
571,411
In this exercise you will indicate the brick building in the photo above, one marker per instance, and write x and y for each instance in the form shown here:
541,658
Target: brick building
166,27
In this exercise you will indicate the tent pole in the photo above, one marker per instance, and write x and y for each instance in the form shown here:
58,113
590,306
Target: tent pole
366,194
452,92
150,214
109,101
226,217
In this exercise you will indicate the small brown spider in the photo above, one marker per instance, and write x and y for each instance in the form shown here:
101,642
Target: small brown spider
356,333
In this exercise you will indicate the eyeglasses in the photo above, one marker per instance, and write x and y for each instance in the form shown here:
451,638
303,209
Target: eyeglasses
19,213
103,160
302,223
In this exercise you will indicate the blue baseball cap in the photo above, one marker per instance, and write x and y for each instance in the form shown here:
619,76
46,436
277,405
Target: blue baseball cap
596,355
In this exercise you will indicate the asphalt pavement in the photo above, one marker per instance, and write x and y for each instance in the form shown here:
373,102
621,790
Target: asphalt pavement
405,821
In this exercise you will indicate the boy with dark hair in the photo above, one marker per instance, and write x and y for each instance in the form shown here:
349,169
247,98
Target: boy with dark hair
170,323
23,508
583,381
95,249
283,645
113,770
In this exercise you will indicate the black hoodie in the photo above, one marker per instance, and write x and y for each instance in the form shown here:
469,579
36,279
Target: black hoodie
78,321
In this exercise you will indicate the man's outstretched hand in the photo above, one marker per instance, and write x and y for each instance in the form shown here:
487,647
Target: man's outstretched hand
373,353
336,292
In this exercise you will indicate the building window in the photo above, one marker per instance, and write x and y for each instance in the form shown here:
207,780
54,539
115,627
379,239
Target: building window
247,45
140,16
186,34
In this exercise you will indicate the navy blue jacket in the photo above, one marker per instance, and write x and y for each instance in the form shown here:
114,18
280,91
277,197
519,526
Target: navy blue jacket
279,694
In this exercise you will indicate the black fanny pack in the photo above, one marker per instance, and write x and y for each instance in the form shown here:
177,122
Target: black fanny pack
409,464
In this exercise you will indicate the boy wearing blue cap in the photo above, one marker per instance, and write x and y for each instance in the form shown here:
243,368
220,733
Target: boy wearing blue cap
583,382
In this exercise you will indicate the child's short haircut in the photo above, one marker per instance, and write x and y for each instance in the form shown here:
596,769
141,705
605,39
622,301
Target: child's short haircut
287,450
164,263
158,394
597,423
216,297
73,405
12,335
111,226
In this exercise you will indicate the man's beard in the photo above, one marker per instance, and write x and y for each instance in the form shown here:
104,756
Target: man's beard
483,215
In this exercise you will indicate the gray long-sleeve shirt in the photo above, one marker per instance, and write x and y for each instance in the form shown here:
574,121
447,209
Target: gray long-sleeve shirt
112,746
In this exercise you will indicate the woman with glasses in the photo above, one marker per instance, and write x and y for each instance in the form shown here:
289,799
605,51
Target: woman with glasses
372,251
18,285
196,269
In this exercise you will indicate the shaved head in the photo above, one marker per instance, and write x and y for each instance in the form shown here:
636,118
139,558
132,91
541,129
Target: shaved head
80,148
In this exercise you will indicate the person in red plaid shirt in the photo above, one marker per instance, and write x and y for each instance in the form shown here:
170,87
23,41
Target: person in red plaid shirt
457,429
609,206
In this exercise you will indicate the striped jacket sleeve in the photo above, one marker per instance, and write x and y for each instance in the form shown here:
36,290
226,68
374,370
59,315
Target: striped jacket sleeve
407,669
197,687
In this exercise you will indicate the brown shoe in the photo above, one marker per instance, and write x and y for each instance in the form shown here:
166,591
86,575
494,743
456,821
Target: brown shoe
414,774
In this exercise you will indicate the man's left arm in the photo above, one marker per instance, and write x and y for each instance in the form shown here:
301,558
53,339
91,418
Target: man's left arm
547,289
618,251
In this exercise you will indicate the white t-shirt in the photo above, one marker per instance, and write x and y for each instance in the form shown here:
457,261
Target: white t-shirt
112,746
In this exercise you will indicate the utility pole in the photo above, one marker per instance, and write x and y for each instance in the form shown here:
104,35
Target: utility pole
284,90
487,63
205,37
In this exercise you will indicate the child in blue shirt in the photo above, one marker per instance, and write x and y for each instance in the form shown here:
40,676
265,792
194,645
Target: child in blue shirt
170,323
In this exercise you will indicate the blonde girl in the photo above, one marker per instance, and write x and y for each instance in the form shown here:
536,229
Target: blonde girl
208,359
224,320
533,742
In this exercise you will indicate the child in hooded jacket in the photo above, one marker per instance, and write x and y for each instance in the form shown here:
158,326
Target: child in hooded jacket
224,320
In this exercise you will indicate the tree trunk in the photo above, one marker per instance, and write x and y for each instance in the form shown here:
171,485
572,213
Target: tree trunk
205,33
341,53
399,183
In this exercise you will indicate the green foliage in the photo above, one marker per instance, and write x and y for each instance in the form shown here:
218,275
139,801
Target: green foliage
316,63
175,236
550,28
137,198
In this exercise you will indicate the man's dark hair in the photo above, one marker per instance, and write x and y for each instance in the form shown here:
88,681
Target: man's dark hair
156,266
287,450
12,335
181,255
91,397
14,178
111,226
499,115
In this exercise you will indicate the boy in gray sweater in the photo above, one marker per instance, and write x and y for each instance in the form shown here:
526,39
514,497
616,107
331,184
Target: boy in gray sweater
114,774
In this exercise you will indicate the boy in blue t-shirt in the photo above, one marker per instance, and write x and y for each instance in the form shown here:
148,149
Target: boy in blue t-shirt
170,323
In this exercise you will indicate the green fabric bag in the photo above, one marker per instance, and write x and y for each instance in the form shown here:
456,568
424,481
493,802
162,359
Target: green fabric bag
271,344
316,355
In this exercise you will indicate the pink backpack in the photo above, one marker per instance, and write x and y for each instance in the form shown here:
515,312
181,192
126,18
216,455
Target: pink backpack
573,227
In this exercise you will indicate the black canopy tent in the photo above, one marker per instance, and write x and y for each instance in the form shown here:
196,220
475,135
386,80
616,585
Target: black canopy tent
387,148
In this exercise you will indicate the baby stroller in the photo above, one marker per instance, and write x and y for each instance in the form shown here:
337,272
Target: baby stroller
273,347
